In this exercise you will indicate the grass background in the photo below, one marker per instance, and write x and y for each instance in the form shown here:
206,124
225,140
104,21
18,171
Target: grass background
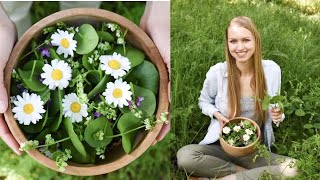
290,36
153,164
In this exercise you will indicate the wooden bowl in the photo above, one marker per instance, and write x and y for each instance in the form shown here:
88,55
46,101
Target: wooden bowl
240,151
138,38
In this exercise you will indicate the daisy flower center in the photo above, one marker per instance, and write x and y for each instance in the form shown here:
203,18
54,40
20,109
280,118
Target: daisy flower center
114,64
117,93
28,108
56,74
64,43
75,107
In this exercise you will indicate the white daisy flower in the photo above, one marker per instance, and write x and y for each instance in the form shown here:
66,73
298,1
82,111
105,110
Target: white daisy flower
118,93
249,132
58,74
65,42
226,130
115,64
236,128
246,137
28,108
73,108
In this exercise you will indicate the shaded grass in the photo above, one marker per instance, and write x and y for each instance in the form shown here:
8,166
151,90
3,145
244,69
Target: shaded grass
289,38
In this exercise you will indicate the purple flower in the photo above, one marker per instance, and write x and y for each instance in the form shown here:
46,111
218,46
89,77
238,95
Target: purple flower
21,88
97,114
130,105
139,100
45,52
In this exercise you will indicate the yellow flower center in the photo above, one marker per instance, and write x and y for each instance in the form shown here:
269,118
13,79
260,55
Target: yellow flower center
75,107
28,108
64,43
56,74
117,93
114,64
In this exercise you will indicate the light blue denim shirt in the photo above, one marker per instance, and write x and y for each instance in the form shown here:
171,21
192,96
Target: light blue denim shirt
213,97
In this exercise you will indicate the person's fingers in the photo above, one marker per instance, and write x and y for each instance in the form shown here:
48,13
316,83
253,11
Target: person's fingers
4,96
275,110
163,132
7,137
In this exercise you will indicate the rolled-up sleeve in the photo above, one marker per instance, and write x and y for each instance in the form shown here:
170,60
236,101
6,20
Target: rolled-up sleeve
209,92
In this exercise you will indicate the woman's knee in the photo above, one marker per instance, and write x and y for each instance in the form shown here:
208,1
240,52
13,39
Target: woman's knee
187,156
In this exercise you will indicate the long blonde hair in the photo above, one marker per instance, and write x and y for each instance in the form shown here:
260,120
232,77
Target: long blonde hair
258,82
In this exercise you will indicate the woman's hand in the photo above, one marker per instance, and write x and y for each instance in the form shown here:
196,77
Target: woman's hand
222,120
276,115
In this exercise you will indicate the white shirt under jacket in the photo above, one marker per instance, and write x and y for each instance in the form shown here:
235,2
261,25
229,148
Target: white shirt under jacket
213,97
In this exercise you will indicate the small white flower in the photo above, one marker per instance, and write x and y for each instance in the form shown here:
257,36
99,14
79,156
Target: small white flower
120,41
236,128
231,142
73,108
65,42
58,74
249,132
118,93
246,137
241,124
115,64
226,130
112,26
118,33
28,108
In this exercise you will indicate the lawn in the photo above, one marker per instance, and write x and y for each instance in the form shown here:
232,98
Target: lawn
290,36
153,164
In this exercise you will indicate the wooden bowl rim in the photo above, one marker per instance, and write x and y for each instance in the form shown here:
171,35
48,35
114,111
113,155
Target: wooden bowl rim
245,147
102,15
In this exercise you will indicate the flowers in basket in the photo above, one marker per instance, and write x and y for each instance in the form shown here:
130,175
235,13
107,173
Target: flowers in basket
78,91
239,134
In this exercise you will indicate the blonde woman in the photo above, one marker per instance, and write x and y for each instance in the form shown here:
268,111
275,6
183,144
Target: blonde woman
230,90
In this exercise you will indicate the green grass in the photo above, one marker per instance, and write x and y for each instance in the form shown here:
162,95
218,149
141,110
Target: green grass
290,37
153,164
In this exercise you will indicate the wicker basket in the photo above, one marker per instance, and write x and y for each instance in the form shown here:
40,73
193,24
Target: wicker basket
136,37
239,151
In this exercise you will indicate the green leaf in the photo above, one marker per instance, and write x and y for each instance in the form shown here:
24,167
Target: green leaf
74,138
99,87
266,102
100,124
308,126
105,36
87,39
43,133
276,99
53,54
44,95
316,125
146,76
56,124
300,112
148,105
77,157
93,77
86,63
126,123
134,55
36,64
32,83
